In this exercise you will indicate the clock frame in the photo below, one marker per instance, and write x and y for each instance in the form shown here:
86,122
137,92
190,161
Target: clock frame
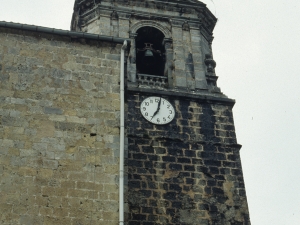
157,110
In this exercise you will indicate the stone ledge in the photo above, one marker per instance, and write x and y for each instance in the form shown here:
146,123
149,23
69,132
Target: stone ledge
200,96
71,34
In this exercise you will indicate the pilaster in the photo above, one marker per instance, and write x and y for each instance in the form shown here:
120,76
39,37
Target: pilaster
132,59
169,61
198,56
124,24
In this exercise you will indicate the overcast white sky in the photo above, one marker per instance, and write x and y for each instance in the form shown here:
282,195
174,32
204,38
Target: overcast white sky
256,48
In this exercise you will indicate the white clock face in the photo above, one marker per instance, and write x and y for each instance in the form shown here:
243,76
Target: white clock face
157,110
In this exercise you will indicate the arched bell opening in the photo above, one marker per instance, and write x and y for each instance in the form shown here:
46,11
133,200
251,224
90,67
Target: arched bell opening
150,51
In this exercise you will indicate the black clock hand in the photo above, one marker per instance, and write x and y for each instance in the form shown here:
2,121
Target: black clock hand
158,108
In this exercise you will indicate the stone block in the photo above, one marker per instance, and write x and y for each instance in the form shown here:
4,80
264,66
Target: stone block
181,82
56,111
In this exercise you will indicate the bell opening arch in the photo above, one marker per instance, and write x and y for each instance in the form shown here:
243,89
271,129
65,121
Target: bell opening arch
151,53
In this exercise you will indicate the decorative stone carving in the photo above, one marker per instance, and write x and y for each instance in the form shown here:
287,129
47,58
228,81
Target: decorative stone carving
114,15
210,63
148,23
186,26
210,75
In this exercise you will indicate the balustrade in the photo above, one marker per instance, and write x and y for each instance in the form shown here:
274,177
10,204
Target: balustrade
152,80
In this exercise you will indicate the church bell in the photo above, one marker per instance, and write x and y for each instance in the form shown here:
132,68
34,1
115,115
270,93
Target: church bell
149,53
149,58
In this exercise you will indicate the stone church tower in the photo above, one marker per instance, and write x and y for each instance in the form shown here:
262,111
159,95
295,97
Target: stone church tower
183,161
74,152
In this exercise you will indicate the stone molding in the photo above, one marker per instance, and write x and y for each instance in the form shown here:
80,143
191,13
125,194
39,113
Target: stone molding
84,10
216,98
72,34
148,23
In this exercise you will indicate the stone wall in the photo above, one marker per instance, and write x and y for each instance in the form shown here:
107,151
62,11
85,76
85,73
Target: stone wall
59,130
188,171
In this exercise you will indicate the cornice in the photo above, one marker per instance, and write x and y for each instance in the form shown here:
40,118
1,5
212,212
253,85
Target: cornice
71,34
201,96
202,16
124,13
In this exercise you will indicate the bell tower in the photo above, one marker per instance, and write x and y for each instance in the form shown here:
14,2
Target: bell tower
183,163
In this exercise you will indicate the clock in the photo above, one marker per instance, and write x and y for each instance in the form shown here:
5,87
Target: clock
157,110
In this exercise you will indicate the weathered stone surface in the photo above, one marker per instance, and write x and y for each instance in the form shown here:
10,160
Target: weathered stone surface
188,171
60,115
59,130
